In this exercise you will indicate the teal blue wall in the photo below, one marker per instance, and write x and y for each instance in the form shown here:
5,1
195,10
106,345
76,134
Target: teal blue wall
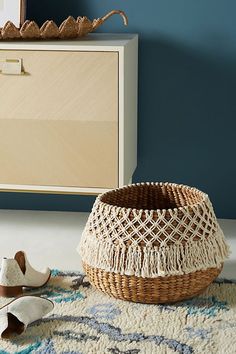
187,105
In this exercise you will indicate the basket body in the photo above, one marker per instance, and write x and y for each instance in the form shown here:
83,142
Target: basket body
152,243
157,290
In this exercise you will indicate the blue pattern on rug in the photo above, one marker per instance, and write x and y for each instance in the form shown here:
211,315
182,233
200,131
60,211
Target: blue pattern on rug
115,333
198,333
106,311
57,294
47,347
78,337
96,315
117,351
31,349
167,308
80,281
59,273
206,306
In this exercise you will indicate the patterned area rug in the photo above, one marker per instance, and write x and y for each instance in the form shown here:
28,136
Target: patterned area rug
85,321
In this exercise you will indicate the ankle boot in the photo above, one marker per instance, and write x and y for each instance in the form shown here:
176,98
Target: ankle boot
19,313
17,273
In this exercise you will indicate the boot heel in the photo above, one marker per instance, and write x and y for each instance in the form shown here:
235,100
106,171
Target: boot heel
10,291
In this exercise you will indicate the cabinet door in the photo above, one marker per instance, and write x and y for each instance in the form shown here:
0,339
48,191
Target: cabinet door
59,121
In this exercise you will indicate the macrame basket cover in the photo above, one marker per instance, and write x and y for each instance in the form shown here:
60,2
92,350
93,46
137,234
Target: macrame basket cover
153,243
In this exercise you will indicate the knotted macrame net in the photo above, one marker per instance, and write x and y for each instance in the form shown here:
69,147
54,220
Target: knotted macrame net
153,229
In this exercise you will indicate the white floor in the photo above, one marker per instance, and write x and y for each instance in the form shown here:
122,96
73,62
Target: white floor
50,238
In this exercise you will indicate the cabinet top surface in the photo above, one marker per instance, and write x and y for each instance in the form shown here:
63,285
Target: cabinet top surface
107,41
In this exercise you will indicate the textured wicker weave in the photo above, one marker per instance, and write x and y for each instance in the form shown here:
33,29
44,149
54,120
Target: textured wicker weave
153,242
70,28
151,290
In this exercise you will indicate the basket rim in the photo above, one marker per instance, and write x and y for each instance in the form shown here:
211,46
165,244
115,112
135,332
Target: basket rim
204,196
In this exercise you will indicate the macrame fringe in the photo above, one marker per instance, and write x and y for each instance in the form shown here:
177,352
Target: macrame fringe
150,262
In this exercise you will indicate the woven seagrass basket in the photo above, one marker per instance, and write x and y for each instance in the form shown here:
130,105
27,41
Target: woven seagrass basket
152,243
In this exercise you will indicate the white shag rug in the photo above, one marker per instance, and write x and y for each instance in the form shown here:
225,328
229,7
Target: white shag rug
85,321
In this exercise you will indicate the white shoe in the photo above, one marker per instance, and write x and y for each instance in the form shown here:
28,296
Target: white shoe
17,273
19,313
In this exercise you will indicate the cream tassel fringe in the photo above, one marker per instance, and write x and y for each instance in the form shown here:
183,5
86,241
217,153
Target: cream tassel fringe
150,262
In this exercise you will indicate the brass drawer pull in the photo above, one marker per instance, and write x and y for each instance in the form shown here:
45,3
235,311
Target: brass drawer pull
12,67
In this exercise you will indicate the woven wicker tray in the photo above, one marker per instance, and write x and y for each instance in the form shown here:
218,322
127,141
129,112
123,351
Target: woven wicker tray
70,28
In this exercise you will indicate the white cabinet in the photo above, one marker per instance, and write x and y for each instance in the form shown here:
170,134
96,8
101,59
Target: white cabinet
68,122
